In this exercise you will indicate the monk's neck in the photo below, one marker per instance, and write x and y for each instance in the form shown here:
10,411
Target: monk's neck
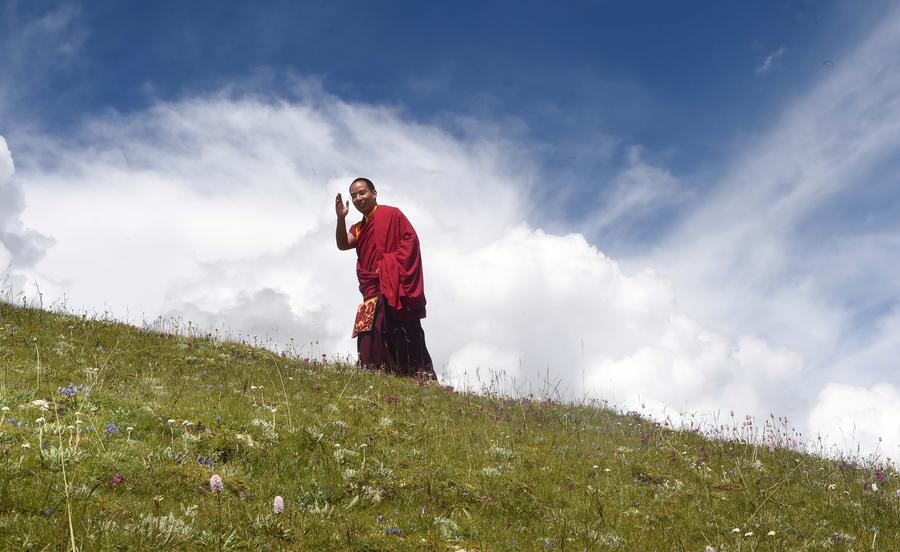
367,216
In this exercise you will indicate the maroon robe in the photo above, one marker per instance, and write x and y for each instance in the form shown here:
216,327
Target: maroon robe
389,267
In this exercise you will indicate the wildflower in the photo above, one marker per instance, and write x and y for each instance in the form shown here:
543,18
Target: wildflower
897,493
735,530
709,549
874,487
116,480
170,421
879,476
215,483
40,420
5,409
748,534
278,505
771,533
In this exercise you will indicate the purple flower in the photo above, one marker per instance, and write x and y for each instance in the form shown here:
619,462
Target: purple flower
278,505
709,549
215,483
879,476
111,428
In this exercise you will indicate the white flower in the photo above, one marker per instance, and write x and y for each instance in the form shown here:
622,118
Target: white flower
26,445
771,533
5,409
748,534
832,487
170,421
40,420
874,487
735,530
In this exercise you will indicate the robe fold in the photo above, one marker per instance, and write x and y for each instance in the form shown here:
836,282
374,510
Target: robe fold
389,267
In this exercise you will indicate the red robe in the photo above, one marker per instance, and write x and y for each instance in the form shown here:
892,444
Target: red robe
388,262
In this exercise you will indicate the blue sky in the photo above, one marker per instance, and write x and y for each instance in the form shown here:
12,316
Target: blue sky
703,193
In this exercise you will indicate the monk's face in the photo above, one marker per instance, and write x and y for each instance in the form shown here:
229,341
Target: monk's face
363,198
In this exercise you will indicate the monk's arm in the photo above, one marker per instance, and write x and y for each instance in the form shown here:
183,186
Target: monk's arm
344,239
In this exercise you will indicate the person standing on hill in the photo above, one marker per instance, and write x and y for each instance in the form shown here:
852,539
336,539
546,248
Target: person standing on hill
388,324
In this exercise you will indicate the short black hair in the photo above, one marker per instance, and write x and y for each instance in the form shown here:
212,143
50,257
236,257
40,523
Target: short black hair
366,180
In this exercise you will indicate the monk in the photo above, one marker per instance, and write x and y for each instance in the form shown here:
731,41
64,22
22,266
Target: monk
388,323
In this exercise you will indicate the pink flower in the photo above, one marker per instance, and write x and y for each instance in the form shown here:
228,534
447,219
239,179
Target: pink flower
215,483
278,505
709,549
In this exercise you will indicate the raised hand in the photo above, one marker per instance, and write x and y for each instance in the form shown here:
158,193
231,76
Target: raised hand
340,208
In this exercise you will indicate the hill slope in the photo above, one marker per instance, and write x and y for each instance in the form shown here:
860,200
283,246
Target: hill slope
111,433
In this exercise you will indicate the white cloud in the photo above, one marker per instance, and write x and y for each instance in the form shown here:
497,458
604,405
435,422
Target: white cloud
866,417
770,60
637,192
219,210
20,247
783,246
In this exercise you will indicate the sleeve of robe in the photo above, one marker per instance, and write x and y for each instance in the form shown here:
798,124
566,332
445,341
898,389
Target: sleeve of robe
401,283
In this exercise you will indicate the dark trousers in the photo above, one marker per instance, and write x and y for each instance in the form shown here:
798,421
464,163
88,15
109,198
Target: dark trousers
395,346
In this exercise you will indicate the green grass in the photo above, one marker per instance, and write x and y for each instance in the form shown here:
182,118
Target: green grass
366,461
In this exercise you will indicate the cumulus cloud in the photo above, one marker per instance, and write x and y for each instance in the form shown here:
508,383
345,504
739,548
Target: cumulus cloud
797,242
219,210
20,248
852,417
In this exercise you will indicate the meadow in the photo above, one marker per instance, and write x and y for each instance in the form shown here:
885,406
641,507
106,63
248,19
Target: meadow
115,437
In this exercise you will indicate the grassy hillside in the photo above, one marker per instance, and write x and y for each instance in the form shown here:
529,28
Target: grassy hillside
111,434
